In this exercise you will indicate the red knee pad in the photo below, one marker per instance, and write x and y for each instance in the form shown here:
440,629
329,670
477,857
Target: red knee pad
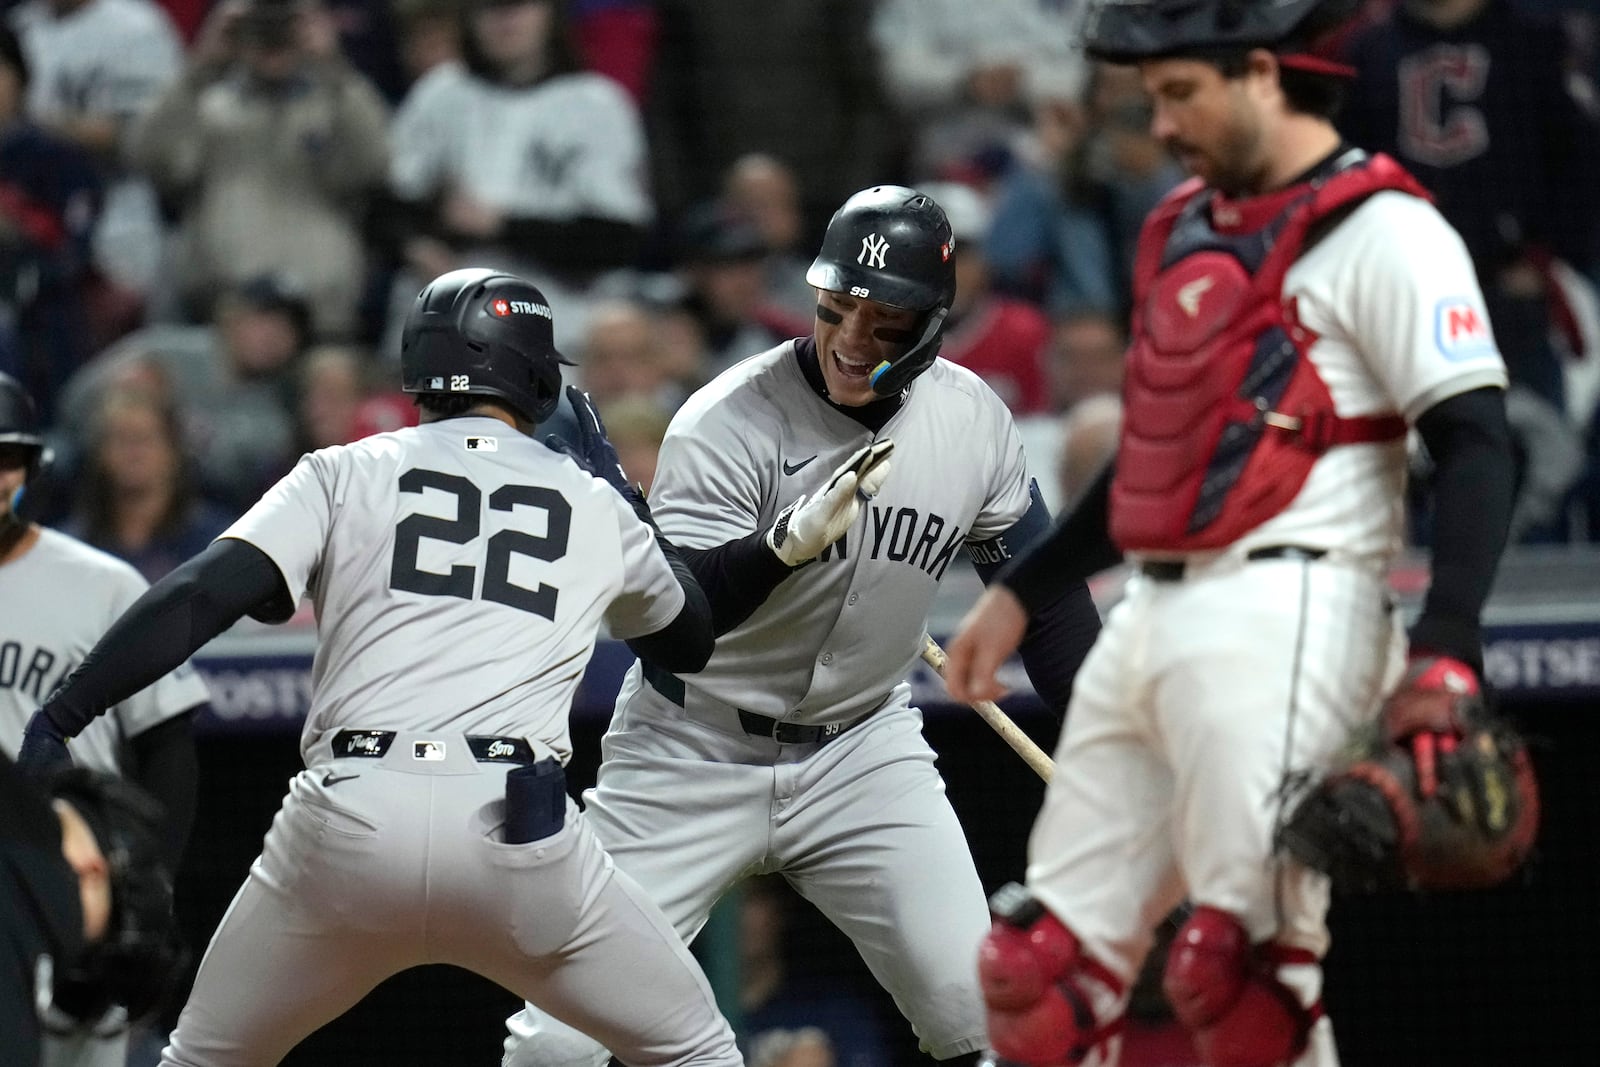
1226,992
1030,968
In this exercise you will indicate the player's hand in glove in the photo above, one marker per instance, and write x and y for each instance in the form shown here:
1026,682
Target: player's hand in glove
594,452
1428,712
44,747
809,525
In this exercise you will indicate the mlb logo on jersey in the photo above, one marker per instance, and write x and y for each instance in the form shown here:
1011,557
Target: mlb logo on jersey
1461,328
483,444
431,751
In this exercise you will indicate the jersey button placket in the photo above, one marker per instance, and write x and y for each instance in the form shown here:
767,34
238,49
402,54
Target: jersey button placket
827,658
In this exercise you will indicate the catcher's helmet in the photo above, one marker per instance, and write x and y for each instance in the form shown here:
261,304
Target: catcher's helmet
136,961
892,245
483,333
1125,31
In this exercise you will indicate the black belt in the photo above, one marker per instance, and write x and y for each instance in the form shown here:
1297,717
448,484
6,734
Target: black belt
486,748
1172,570
757,725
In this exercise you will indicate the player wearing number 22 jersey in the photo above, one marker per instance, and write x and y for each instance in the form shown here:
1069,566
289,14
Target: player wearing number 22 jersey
460,571
797,750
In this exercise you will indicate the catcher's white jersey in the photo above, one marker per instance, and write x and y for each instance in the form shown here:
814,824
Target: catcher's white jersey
568,147
1389,337
746,446
480,560
56,600
1207,695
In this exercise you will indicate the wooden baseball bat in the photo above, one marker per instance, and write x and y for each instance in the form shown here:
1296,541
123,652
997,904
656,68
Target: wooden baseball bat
999,721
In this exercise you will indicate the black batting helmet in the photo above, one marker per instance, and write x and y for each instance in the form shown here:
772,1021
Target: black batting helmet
483,333
892,245
1126,31
19,425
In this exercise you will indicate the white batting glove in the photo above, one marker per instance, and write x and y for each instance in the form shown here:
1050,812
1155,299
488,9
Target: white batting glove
808,526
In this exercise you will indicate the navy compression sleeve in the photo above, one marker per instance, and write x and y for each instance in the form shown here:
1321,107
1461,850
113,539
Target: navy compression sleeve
1063,626
737,577
683,645
1473,490
164,763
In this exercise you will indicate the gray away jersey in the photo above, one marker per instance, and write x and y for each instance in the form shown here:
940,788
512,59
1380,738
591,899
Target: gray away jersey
840,633
460,572
56,600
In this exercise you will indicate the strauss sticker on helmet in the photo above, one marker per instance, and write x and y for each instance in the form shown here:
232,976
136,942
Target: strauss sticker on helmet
502,308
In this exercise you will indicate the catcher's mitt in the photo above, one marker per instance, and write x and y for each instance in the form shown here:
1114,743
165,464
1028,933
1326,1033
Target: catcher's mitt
1368,827
135,963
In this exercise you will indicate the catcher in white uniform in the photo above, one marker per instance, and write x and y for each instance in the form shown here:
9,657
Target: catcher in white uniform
57,596
1298,307
460,571
796,750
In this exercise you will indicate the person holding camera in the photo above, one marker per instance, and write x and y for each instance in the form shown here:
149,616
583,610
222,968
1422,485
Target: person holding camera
265,151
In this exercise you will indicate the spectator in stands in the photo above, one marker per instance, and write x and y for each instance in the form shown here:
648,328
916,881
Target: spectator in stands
49,200
1067,213
1002,339
778,998
517,158
96,66
965,76
332,384
1089,432
796,78
763,190
1087,357
267,150
430,35
636,425
138,494
1484,106
621,356
721,261
233,381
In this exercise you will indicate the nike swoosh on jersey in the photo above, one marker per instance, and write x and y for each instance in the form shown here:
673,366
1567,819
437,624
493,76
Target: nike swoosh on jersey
796,468
334,779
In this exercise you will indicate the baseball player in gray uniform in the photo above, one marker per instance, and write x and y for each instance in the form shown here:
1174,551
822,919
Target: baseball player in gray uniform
796,750
460,571
57,596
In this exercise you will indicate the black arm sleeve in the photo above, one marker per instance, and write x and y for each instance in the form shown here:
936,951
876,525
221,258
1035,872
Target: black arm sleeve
1062,628
1078,545
1473,490
737,577
167,624
683,645
164,764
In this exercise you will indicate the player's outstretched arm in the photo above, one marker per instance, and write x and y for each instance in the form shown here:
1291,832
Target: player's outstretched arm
157,633
990,633
685,644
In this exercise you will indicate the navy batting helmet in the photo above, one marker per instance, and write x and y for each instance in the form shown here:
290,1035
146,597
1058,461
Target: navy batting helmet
892,245
483,333
19,425
1126,31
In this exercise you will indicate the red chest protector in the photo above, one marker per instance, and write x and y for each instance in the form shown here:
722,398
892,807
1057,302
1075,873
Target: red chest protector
1224,413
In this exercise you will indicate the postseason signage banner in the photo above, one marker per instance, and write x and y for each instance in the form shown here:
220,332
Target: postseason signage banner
271,692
